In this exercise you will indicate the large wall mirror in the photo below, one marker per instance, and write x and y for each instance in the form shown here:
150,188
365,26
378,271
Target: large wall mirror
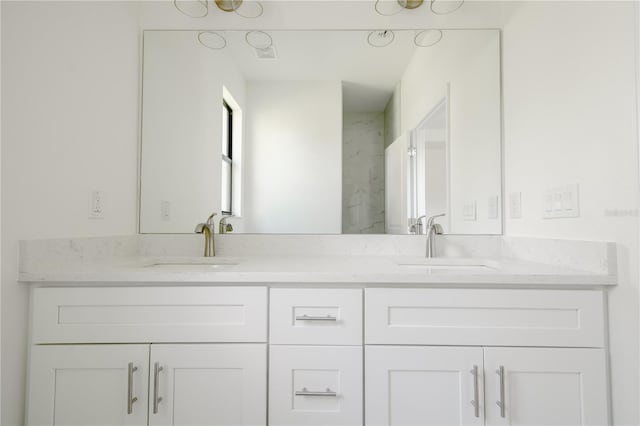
310,132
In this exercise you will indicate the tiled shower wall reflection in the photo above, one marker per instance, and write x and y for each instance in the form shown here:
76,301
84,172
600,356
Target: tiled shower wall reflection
363,173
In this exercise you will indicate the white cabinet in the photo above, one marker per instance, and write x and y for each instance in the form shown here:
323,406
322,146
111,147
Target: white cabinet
315,316
84,385
484,317
181,384
315,385
149,314
322,384
520,386
208,384
180,356
221,382
550,386
557,375
423,386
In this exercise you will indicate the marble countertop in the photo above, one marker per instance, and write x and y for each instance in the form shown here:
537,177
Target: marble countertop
306,270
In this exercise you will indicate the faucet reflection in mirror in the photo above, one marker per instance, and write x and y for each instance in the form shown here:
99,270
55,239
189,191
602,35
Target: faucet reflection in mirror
207,229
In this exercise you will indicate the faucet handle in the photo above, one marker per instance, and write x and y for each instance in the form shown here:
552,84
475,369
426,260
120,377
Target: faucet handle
223,226
431,220
437,229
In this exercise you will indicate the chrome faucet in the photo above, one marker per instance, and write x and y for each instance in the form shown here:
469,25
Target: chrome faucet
416,227
207,229
224,227
432,230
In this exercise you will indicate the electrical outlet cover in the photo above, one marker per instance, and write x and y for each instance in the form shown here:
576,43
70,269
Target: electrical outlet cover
165,211
96,205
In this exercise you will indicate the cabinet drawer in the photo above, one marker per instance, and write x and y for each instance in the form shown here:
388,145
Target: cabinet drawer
149,314
316,316
315,385
568,318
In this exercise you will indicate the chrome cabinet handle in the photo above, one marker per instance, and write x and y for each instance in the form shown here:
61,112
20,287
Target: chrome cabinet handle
315,318
157,368
476,390
130,398
500,403
306,392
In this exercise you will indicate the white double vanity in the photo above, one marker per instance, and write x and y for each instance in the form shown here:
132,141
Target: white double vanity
123,336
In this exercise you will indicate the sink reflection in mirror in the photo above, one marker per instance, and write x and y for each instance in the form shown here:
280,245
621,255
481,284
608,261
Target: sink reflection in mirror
321,132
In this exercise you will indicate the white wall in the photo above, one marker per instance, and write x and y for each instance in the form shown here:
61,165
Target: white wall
70,125
182,129
0,204
464,65
293,157
570,117
392,117
395,183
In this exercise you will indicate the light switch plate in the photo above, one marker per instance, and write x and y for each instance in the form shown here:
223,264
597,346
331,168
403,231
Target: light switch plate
469,212
561,202
493,208
515,205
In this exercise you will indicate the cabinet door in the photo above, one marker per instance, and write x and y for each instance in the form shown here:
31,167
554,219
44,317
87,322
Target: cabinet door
423,386
315,385
88,385
548,386
208,384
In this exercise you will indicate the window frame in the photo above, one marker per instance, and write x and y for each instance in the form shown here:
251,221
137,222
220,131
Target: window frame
228,158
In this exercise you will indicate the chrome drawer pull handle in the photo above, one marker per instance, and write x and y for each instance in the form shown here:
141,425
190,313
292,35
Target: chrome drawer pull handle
475,402
316,318
306,392
130,398
500,403
157,368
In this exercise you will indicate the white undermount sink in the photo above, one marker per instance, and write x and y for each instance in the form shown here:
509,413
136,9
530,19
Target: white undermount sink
449,265
192,265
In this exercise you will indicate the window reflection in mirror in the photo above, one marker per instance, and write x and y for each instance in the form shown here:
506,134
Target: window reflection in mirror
226,186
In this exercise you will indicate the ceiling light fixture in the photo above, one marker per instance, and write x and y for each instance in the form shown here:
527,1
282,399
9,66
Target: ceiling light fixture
192,8
258,39
200,8
445,7
427,38
438,7
212,40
